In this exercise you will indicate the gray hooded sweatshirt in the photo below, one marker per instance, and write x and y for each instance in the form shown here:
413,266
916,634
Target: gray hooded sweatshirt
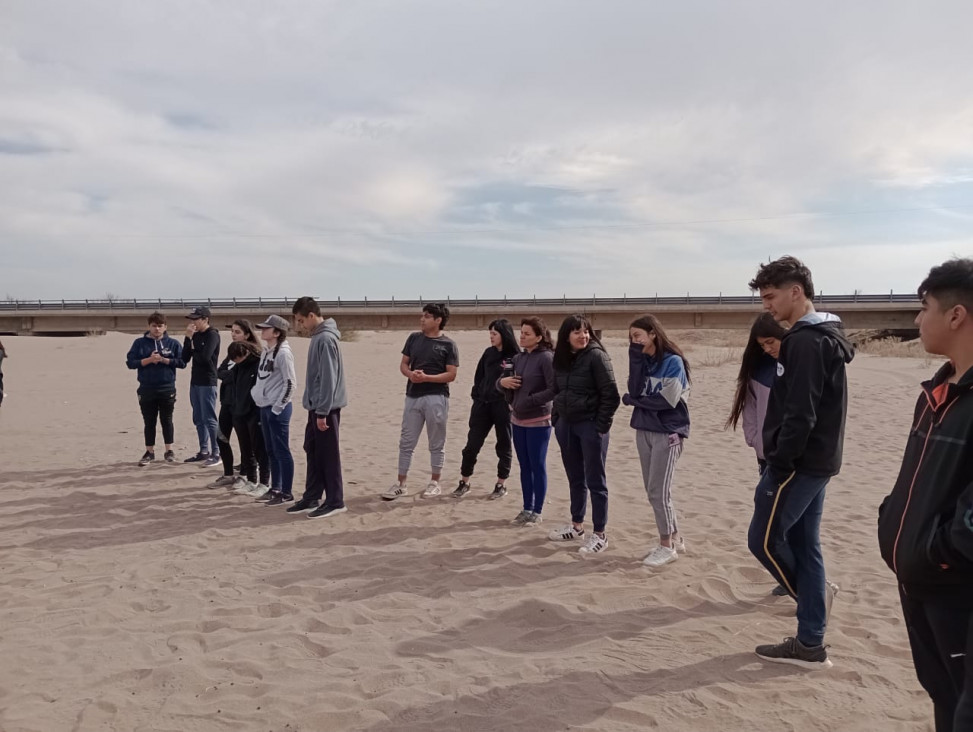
324,389
275,378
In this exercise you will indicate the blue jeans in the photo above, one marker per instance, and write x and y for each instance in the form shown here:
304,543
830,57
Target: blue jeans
203,401
784,536
584,452
531,446
276,430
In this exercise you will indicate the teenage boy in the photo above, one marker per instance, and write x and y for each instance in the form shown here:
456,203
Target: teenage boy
324,398
429,362
803,435
925,525
202,347
156,356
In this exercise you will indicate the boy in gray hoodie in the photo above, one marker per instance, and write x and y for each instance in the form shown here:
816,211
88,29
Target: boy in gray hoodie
324,397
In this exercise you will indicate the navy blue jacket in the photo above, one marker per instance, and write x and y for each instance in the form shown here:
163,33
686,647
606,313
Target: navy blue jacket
658,389
156,376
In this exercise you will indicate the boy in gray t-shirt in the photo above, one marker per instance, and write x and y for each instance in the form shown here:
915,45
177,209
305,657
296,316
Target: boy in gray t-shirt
429,362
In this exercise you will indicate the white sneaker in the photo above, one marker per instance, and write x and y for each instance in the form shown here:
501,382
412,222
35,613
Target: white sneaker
239,485
593,545
396,491
257,489
566,533
661,555
432,489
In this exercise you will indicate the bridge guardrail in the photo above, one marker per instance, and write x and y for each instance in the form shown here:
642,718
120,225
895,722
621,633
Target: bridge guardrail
271,304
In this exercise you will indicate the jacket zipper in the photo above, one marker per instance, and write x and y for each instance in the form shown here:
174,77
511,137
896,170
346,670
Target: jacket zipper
912,485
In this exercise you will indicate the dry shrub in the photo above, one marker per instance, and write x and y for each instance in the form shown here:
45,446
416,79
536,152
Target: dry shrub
714,357
350,335
893,347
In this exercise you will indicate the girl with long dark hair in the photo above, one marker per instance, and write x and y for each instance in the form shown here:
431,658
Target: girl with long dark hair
586,398
490,410
758,369
530,390
241,330
273,392
658,389
3,355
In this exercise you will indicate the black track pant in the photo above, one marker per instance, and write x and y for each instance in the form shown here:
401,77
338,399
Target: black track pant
158,405
486,416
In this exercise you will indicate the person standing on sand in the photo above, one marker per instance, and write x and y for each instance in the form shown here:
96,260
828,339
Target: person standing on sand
246,420
3,355
925,525
490,410
803,438
585,401
658,389
156,357
324,398
530,390
202,347
273,392
429,362
240,331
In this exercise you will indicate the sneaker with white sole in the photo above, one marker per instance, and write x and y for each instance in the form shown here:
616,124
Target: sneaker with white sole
432,489
258,489
534,518
566,533
521,518
795,653
396,491
661,555
593,545
830,593
680,545
223,480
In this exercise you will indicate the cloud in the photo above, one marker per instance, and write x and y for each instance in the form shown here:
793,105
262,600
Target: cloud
383,148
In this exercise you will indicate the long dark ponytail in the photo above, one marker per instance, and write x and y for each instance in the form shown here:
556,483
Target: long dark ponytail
508,344
763,327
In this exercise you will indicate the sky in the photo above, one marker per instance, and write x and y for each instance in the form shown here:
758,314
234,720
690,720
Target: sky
412,148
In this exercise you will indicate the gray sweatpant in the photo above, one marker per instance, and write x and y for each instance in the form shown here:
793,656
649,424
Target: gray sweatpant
432,411
658,453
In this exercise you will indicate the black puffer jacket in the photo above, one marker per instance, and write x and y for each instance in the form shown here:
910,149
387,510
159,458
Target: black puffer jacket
587,389
925,525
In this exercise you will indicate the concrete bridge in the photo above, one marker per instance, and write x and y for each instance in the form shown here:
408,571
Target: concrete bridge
893,313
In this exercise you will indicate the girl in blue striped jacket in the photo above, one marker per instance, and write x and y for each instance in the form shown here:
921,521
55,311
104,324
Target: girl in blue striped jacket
658,387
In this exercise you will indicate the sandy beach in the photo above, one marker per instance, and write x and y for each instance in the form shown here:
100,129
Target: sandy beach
138,599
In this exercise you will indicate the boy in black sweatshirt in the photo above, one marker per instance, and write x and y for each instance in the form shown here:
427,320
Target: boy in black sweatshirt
202,348
803,435
925,525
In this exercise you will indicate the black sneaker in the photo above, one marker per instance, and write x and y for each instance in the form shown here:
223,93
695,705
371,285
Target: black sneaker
278,499
499,491
326,511
147,458
170,456
265,497
794,652
461,490
302,505
199,457
779,591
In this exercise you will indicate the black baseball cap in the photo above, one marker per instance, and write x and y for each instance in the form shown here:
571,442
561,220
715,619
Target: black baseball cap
198,312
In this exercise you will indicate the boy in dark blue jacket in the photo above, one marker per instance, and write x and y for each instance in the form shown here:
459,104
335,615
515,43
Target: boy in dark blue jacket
925,525
156,356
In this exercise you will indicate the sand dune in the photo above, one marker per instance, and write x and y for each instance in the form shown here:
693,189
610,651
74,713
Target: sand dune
138,599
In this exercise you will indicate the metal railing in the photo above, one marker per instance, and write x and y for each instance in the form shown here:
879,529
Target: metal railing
270,304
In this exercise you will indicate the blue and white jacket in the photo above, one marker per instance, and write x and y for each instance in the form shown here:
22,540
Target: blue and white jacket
658,389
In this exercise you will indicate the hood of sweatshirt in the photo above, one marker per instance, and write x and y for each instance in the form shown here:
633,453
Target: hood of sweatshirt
830,324
328,326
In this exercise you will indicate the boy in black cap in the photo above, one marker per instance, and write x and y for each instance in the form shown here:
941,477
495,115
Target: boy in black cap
202,348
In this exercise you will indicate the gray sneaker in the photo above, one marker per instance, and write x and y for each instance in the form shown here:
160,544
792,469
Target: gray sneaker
534,518
521,518
831,591
795,653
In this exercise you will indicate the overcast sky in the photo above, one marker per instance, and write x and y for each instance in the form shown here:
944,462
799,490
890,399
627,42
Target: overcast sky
218,148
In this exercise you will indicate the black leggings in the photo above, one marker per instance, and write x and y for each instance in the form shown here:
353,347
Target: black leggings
223,439
158,405
253,454
486,416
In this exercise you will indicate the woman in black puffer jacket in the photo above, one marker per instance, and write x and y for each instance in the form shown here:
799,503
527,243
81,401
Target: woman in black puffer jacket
584,403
